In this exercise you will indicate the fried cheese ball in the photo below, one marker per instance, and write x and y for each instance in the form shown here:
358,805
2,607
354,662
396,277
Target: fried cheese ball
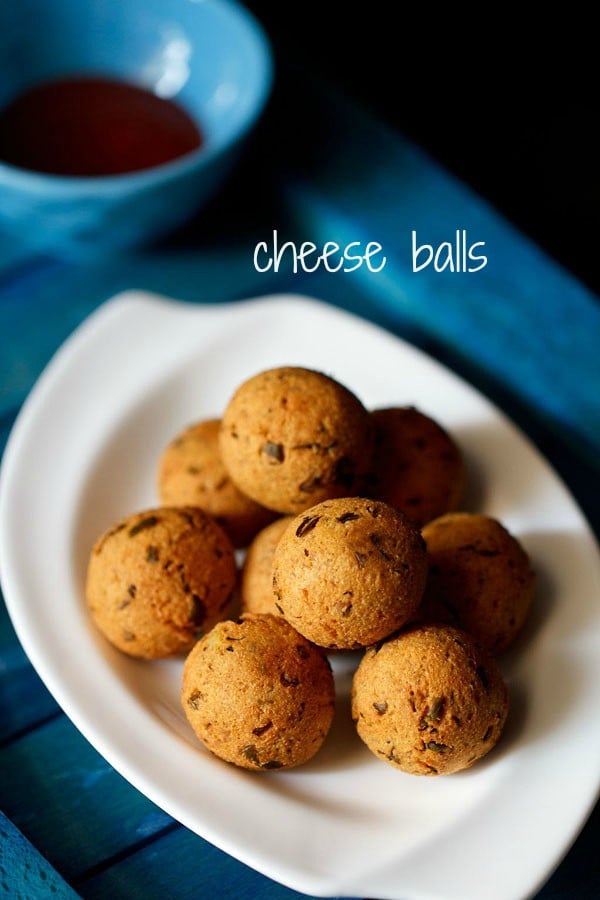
480,579
291,437
417,467
429,701
158,579
257,694
349,572
256,591
191,473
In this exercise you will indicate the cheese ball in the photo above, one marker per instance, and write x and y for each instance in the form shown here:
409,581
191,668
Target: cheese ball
429,701
257,694
256,590
191,473
158,579
417,467
349,572
480,579
291,437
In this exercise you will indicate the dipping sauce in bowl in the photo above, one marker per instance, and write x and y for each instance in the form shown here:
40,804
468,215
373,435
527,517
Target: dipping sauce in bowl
93,160
93,126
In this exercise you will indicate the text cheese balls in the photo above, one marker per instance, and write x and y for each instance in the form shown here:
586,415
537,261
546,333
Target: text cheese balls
258,694
480,579
160,578
349,572
291,437
191,473
429,701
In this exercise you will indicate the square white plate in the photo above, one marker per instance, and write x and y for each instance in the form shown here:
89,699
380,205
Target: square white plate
83,453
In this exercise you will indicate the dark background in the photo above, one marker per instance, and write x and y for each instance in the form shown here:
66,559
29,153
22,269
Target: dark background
508,105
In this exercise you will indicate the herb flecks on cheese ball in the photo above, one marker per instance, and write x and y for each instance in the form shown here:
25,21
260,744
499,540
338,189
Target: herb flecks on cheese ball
349,572
191,473
429,701
256,589
160,578
480,579
417,467
257,694
291,437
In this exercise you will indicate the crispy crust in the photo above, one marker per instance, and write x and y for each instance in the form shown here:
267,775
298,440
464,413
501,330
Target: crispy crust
191,473
349,572
291,437
257,694
158,578
429,701
256,591
417,467
480,579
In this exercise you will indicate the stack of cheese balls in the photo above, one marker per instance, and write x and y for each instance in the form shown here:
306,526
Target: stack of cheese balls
353,543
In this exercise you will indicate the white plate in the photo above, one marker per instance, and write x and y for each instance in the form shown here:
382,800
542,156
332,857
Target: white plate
83,453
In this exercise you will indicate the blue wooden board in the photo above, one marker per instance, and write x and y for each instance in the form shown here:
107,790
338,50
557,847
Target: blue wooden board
24,873
522,329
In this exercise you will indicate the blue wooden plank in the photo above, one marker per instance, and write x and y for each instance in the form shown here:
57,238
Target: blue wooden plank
182,866
24,873
24,701
102,835
69,802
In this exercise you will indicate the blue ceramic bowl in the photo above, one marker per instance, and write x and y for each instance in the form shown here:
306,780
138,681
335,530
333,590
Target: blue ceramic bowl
209,55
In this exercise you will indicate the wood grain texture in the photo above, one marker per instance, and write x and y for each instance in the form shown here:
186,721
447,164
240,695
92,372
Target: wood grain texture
24,873
69,802
181,866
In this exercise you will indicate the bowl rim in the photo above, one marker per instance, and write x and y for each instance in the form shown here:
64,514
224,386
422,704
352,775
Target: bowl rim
50,183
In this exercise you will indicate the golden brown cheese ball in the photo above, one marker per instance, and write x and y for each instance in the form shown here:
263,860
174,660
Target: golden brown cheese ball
158,579
349,572
257,594
480,579
258,694
429,701
291,437
417,467
191,473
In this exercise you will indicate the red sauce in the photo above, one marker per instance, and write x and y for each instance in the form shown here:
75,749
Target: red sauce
93,126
